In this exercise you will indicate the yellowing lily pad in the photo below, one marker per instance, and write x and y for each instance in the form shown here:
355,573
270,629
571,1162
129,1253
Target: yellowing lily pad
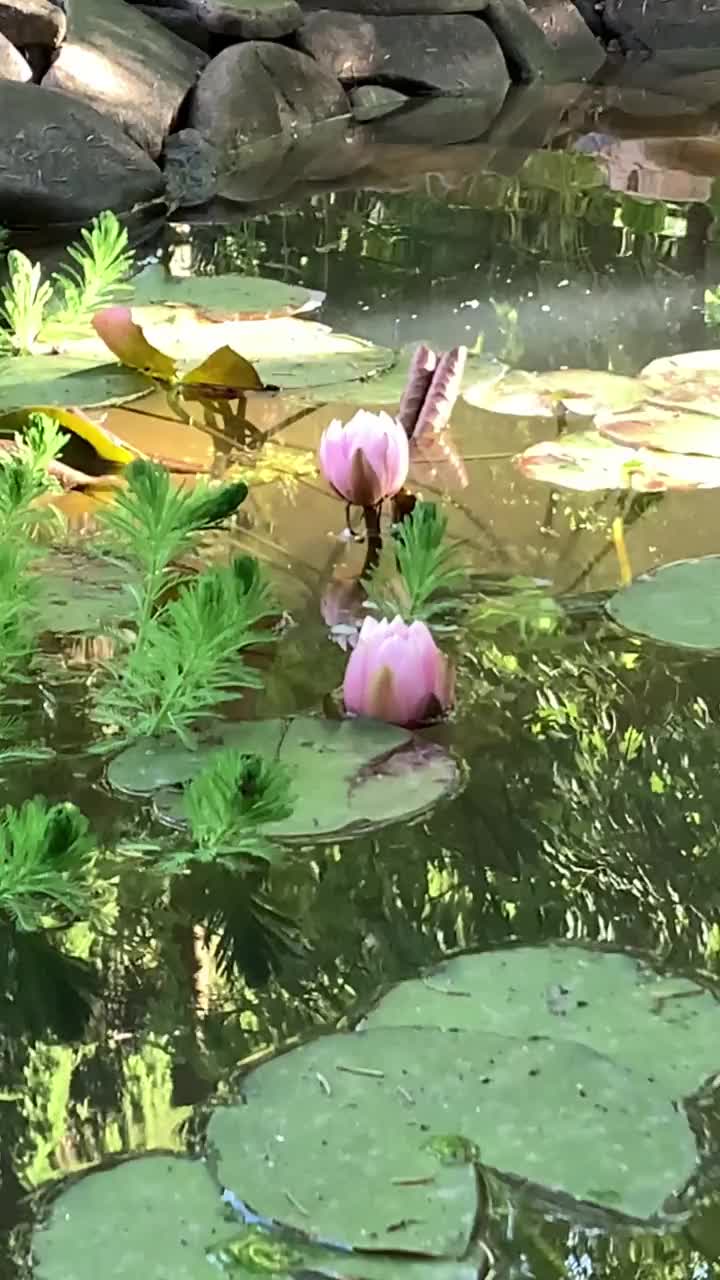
578,393
387,386
105,443
223,297
65,381
688,381
670,430
586,461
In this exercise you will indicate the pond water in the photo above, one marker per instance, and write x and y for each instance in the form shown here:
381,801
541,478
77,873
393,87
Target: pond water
589,812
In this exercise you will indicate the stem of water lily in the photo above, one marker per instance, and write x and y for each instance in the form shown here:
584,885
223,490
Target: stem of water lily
618,537
371,516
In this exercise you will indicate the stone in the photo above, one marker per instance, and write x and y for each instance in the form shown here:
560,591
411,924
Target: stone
247,19
190,167
666,25
439,122
371,101
63,162
126,65
452,53
545,38
391,8
32,22
180,22
259,90
12,64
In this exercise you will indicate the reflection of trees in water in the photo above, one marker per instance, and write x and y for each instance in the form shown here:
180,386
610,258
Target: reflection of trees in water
589,813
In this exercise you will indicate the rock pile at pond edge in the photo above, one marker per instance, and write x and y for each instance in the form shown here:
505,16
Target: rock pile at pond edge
122,104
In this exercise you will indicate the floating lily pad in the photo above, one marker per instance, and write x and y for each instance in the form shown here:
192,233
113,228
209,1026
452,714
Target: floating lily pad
671,430
333,1137
580,392
586,461
350,776
677,604
224,297
152,1217
83,593
65,381
255,1251
386,388
689,381
286,353
665,1028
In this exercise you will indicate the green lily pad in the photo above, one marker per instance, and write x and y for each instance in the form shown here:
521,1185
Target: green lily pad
670,430
66,381
225,297
586,461
677,604
255,1251
333,1137
581,392
665,1028
350,776
688,381
152,1217
83,593
287,353
386,388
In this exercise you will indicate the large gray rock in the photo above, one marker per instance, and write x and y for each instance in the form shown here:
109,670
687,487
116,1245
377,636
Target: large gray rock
62,162
12,64
259,90
247,19
390,8
439,122
452,53
126,65
665,24
545,38
180,22
32,22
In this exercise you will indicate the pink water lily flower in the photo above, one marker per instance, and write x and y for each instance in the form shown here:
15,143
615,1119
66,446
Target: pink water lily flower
366,459
397,673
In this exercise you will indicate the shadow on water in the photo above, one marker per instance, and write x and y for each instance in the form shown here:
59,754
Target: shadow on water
590,812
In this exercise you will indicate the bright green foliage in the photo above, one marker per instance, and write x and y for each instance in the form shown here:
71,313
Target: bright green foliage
429,569
229,803
154,523
23,478
45,857
188,659
36,311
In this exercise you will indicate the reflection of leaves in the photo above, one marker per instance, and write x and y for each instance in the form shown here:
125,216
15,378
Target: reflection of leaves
45,993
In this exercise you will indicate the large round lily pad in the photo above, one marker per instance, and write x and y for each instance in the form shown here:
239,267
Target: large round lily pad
690,380
349,776
585,461
665,1028
65,381
83,593
677,604
224,297
154,1217
365,1138
580,392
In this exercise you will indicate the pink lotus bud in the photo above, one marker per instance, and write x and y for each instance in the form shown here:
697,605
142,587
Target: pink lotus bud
365,460
397,673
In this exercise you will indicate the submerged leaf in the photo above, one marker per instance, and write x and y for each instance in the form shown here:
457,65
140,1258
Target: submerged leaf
586,461
669,430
